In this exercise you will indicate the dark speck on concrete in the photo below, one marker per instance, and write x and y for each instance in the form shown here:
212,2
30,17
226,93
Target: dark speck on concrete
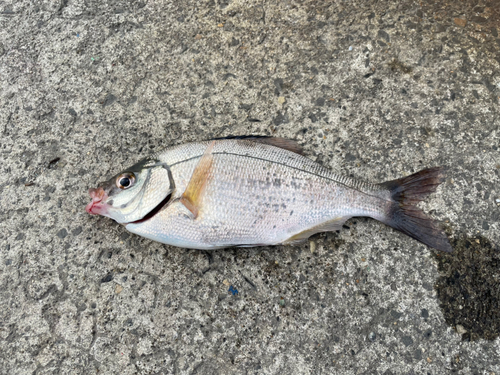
76,231
424,313
281,119
470,116
383,35
228,76
107,278
110,99
407,340
62,233
313,117
411,25
427,286
478,19
52,164
278,83
418,354
350,157
398,66
320,102
395,314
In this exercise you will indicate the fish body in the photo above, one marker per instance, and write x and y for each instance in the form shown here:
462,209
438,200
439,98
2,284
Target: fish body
255,192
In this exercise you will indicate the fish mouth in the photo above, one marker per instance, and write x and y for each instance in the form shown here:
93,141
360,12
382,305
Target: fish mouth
98,206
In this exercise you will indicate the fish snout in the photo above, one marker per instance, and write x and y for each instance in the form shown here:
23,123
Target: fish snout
96,194
97,206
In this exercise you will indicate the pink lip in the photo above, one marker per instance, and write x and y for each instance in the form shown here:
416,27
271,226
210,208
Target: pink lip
97,206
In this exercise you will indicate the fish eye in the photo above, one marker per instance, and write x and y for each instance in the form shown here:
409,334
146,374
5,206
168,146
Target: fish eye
125,180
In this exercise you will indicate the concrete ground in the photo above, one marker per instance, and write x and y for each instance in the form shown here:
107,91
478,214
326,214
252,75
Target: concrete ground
372,89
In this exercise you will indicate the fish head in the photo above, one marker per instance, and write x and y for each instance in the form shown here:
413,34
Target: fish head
134,193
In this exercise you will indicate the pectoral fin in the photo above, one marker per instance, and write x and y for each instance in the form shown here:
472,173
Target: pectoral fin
329,226
193,195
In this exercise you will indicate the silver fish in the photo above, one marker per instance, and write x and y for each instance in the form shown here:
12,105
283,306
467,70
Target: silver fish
255,191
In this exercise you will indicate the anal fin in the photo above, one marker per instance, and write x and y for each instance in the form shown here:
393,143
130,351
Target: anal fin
328,226
193,195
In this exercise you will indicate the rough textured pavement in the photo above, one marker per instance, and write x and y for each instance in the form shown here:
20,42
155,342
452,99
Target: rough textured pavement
372,89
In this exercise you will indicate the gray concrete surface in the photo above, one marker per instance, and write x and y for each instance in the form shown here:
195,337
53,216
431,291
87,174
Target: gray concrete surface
373,89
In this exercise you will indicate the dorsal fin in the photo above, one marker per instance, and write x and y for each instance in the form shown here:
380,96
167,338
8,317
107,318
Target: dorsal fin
286,144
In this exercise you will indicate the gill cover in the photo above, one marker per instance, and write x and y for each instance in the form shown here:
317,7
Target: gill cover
137,191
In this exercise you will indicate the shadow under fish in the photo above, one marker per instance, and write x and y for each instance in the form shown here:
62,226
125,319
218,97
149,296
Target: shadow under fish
469,287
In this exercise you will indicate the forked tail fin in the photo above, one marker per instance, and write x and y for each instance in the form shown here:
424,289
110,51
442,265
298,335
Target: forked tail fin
404,216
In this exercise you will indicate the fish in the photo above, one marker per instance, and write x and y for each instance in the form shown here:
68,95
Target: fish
251,191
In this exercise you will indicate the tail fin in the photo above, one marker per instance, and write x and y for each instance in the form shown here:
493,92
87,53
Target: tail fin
409,219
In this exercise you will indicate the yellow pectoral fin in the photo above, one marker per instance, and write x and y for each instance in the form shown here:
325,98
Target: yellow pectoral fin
329,226
192,196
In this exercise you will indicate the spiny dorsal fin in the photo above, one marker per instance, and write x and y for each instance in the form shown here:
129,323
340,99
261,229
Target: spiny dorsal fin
286,144
192,196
